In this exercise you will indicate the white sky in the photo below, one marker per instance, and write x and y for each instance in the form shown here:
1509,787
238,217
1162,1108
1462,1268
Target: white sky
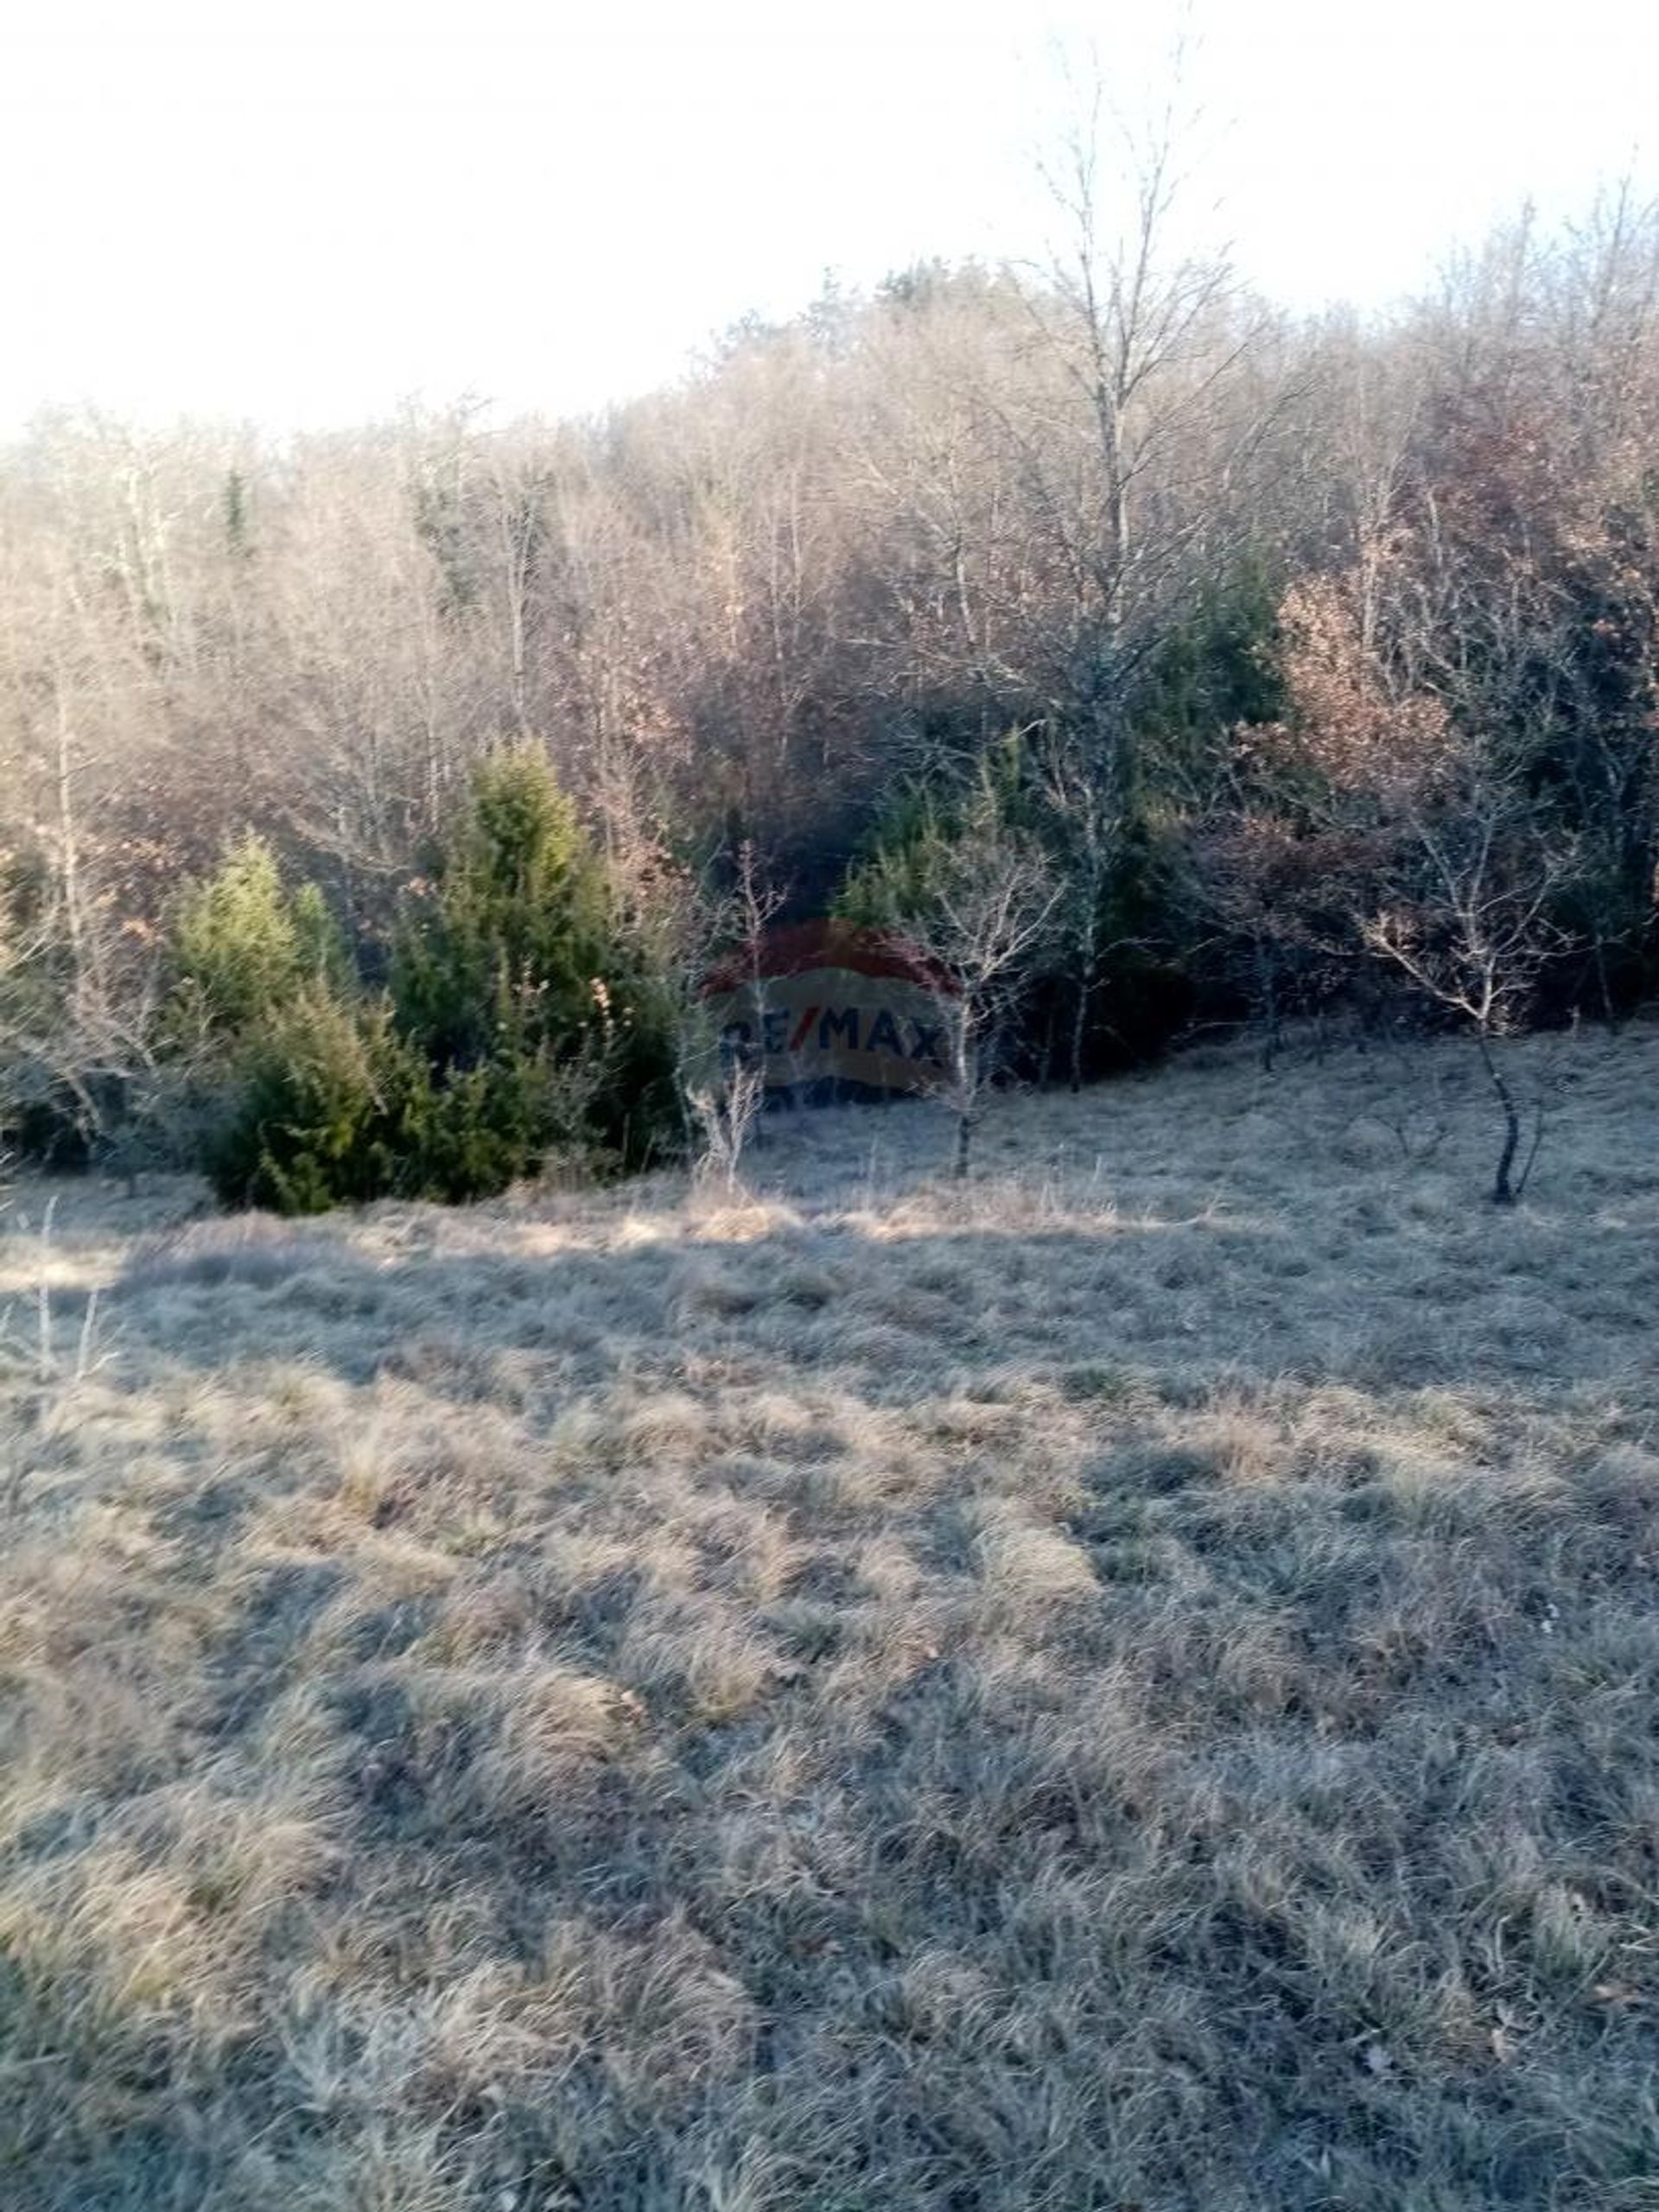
305,214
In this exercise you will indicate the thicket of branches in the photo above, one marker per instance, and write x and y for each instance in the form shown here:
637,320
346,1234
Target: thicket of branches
1302,660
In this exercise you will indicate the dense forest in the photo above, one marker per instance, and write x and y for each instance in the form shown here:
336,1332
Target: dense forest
390,785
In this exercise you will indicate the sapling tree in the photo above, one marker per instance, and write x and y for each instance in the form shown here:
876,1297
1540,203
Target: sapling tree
723,1080
1455,874
725,1110
1470,926
979,902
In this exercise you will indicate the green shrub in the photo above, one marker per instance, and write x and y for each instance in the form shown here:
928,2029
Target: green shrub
321,1097
244,946
896,874
634,1117
503,950
471,1132
329,1106
510,976
516,1024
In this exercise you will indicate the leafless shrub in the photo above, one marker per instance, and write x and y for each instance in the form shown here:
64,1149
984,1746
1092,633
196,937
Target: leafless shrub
726,1119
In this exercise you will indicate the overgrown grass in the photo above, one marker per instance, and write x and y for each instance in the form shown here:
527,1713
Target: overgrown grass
1133,1684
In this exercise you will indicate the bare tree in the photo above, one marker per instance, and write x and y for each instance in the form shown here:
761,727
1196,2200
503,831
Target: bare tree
1471,926
1280,908
1147,337
725,1083
1151,347
984,917
1419,829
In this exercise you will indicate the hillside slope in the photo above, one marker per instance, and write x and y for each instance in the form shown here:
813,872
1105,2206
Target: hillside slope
1133,1684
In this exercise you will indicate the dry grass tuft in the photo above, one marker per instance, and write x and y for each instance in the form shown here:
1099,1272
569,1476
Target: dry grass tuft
1133,1684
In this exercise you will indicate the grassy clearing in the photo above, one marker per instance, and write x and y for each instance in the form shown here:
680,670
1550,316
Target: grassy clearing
1133,1684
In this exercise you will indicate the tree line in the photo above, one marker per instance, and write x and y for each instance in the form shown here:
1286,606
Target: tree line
1157,656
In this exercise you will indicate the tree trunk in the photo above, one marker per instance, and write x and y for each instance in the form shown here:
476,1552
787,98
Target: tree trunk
1502,1189
1080,1027
1268,995
965,1073
1609,1010
964,1138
